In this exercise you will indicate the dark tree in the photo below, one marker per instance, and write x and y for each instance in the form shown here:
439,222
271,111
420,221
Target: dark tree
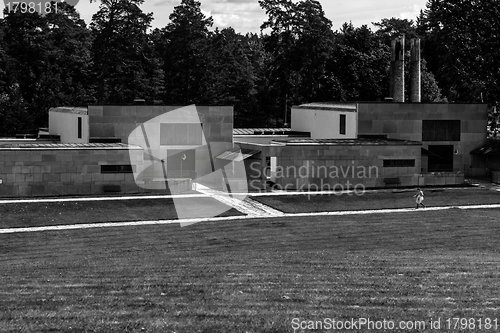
46,63
183,46
125,63
360,61
461,46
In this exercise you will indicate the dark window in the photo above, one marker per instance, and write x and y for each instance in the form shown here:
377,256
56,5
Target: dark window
79,127
126,168
440,130
342,124
440,158
181,134
399,163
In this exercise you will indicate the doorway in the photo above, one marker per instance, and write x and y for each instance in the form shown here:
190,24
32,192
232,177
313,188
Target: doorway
180,163
440,158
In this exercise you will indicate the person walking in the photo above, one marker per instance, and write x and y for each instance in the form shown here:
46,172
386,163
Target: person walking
419,198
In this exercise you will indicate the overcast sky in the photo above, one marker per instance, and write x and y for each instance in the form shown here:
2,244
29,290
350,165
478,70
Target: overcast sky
247,16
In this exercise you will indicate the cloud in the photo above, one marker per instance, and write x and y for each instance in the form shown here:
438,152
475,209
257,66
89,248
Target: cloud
412,13
239,23
242,15
167,3
234,8
234,1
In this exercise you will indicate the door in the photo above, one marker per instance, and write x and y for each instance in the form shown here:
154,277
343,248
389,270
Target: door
180,163
440,158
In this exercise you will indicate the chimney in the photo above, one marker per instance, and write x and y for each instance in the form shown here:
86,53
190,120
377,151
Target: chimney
415,75
398,69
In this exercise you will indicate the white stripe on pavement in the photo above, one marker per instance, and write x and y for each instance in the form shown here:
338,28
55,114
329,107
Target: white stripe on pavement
75,199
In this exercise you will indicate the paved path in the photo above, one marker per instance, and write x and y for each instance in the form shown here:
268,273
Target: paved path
246,206
242,202
235,218
482,183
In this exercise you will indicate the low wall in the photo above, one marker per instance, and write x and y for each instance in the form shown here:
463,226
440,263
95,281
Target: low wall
495,177
441,179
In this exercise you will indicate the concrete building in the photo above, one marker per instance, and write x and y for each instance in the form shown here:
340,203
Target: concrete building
409,144
70,124
448,132
98,153
326,120
138,148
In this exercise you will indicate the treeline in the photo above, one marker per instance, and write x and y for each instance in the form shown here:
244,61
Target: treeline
57,60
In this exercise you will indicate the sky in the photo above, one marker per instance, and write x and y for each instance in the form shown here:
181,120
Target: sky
247,16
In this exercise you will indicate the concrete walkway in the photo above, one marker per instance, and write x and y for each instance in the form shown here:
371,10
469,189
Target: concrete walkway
241,202
483,183
235,218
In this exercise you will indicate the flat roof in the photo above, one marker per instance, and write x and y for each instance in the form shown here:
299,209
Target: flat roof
70,109
67,146
347,142
328,106
252,131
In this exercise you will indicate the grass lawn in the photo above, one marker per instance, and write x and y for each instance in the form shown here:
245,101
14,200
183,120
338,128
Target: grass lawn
376,200
14,215
253,275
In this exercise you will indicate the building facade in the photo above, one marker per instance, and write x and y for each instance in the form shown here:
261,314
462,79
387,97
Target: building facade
98,152
409,144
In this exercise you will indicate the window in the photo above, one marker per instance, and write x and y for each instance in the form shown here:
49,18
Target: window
126,168
181,134
399,163
440,130
342,124
79,127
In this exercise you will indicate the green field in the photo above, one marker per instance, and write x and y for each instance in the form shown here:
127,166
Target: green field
253,275
36,214
310,202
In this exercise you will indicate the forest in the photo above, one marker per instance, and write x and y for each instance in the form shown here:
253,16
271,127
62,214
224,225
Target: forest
57,59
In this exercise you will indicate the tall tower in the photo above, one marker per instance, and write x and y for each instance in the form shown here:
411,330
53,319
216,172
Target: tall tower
415,75
398,69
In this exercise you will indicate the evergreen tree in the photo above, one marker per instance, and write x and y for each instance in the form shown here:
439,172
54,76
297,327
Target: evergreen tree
125,63
183,47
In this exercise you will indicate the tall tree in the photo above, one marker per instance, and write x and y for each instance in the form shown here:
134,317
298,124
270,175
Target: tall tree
183,44
280,43
231,78
47,61
299,40
125,63
360,62
462,39
315,42
259,111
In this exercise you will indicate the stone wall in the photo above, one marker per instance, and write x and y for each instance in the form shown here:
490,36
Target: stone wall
404,121
120,121
338,167
58,169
